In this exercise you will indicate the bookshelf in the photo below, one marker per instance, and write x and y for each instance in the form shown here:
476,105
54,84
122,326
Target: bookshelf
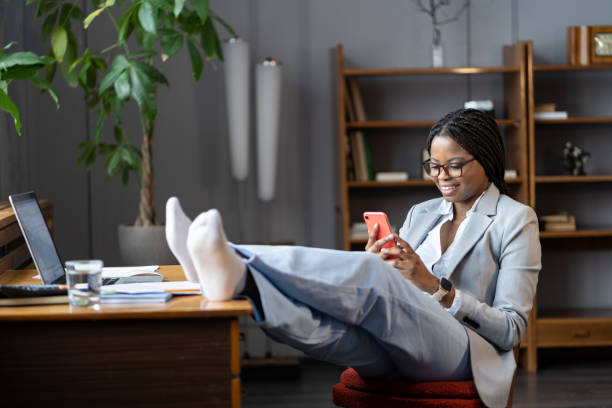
562,326
396,198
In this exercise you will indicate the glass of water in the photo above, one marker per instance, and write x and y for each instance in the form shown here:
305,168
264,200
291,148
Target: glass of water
84,279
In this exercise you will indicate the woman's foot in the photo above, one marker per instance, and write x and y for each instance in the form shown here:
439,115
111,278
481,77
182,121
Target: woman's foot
177,227
220,270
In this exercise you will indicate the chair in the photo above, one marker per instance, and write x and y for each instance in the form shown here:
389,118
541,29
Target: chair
353,391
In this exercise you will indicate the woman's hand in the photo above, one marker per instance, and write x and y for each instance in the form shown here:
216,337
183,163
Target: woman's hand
409,264
373,245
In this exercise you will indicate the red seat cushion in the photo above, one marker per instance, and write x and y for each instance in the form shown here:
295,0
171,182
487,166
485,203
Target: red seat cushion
356,392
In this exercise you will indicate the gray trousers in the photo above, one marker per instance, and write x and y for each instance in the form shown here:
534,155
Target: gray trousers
352,309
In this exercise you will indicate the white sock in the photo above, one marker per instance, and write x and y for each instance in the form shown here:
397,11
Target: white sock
177,227
222,274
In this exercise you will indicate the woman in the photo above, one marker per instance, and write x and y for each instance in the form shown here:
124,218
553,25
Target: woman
452,309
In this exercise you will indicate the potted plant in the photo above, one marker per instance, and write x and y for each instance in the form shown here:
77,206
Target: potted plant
21,65
148,31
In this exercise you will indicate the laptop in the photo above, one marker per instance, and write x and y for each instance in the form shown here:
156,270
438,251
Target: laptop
42,248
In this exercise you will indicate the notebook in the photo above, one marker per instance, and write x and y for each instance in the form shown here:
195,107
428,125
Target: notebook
42,248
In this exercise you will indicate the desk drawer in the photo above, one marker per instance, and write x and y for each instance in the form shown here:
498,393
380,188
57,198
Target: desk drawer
574,332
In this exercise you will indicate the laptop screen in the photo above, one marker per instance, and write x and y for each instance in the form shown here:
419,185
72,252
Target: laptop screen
38,238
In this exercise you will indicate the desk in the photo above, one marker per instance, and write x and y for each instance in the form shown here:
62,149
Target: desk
182,353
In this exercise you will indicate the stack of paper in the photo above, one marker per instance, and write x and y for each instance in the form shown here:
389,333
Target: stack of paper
147,292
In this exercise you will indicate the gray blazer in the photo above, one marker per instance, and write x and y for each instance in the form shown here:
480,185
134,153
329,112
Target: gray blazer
495,266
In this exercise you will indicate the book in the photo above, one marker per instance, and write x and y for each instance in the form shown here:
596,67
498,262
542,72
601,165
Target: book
359,158
558,222
37,300
356,99
559,227
550,115
545,107
391,176
368,157
122,298
359,230
510,173
562,217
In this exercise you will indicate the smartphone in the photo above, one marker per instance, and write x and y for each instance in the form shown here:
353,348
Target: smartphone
384,227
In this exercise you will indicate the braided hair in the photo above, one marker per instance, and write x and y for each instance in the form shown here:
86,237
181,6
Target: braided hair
479,135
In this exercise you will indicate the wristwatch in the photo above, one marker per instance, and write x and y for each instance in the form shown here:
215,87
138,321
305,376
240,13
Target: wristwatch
443,289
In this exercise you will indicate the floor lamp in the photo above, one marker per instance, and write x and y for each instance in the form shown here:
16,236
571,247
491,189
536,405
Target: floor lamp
268,80
237,66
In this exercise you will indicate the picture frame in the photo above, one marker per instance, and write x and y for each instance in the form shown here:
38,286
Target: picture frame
588,45
600,39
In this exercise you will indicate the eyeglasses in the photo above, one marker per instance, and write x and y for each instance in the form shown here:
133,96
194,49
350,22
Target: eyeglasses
452,169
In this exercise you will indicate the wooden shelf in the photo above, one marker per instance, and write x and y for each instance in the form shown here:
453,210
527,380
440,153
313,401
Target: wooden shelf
571,67
574,179
407,183
576,234
358,240
414,123
430,71
551,315
574,328
576,120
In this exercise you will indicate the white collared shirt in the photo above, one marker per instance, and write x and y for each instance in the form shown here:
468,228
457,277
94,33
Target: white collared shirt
430,251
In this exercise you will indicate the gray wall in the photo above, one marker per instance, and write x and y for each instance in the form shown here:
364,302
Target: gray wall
191,150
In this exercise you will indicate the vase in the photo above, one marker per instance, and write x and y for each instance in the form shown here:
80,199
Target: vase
437,51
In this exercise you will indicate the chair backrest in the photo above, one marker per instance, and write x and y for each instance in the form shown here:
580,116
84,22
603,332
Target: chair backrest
14,253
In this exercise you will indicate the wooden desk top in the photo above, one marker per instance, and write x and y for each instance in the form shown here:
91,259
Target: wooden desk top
179,307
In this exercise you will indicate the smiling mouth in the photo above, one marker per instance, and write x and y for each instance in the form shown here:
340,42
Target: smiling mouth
448,188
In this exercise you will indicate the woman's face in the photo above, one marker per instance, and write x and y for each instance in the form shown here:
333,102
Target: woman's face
473,180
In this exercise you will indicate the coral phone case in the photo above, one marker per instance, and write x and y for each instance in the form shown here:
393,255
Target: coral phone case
384,227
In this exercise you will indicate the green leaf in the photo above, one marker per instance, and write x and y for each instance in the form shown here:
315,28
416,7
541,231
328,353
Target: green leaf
226,25
20,72
142,54
7,46
7,105
83,74
120,64
20,58
59,43
210,41
147,17
165,5
196,58
178,7
201,7
122,86
71,77
48,25
129,158
99,125
171,44
153,73
50,72
125,23
91,77
76,62
112,162
118,133
68,11
43,84
125,176
142,92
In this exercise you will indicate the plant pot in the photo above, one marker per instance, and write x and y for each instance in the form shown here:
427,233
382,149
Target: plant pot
144,246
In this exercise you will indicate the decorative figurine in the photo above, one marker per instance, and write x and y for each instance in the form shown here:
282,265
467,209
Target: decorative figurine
574,159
